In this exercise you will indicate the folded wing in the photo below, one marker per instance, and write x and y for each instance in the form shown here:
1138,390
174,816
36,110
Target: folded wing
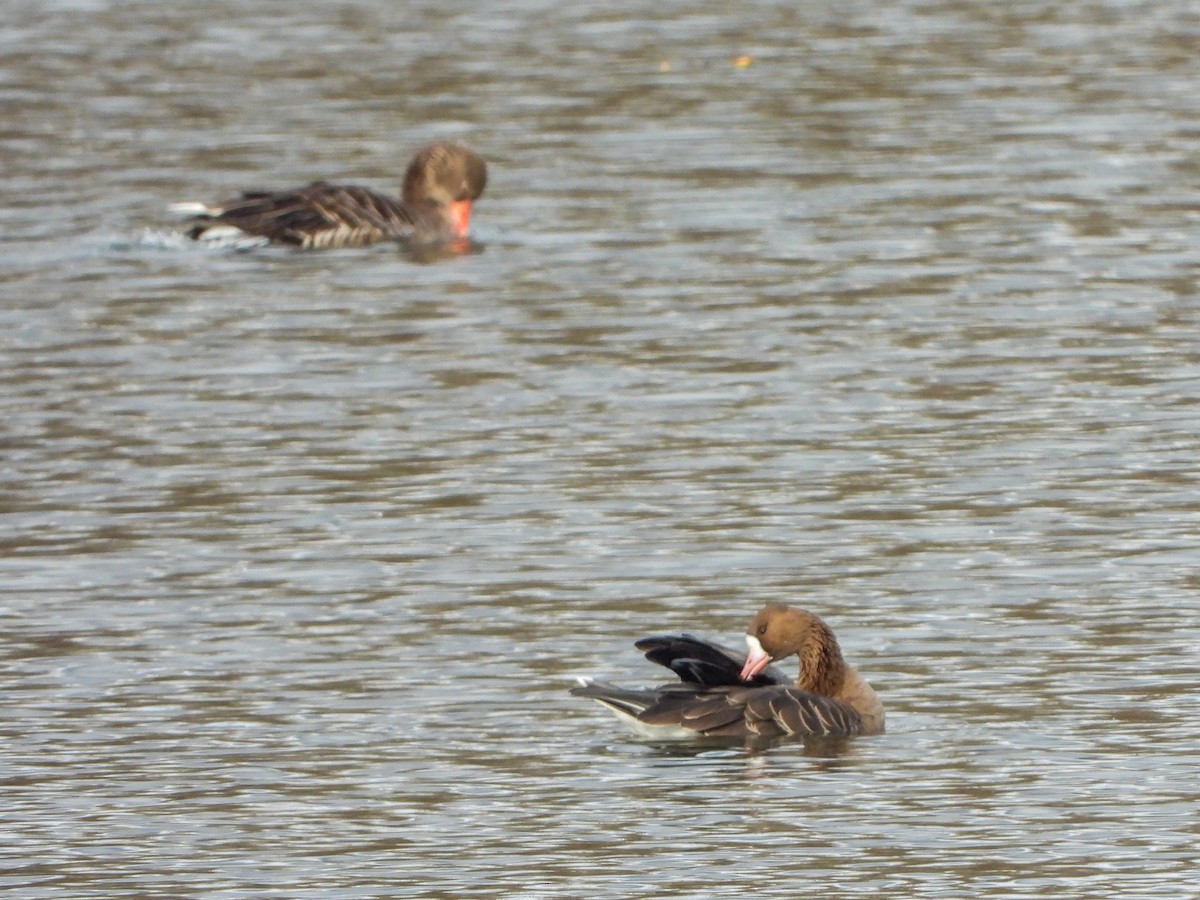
764,712
320,214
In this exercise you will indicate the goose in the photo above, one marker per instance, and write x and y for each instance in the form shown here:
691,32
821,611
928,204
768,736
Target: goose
722,693
440,184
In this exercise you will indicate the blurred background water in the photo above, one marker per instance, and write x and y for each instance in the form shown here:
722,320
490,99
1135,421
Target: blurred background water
885,310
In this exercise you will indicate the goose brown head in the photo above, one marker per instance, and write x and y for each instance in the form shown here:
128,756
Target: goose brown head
777,632
443,180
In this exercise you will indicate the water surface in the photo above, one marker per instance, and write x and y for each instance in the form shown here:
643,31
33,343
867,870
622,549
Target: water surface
896,319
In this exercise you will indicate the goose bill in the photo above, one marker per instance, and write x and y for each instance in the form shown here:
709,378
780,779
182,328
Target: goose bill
460,217
758,659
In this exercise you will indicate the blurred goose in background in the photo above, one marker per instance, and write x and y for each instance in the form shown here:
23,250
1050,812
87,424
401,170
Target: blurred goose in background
440,184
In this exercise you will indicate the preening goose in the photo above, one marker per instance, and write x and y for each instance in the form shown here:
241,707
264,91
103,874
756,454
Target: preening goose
725,694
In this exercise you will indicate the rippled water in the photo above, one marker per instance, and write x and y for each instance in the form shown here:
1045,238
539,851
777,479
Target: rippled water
895,319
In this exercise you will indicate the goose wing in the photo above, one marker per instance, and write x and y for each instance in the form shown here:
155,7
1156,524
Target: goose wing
320,214
701,662
764,712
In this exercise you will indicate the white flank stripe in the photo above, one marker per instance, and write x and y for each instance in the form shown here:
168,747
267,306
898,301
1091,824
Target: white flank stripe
192,208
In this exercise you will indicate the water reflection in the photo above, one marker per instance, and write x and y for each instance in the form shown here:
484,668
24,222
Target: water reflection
831,750
440,252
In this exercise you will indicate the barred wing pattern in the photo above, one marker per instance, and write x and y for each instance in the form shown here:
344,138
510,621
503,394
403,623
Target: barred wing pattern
319,215
765,712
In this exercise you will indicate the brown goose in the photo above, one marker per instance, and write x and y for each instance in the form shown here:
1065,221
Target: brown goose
441,183
722,693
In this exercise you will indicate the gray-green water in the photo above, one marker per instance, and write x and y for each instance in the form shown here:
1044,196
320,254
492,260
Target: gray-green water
300,552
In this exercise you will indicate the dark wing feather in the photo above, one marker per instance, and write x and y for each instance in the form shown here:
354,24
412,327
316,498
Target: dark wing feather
701,662
356,207
796,712
630,701
764,712
703,711
353,214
